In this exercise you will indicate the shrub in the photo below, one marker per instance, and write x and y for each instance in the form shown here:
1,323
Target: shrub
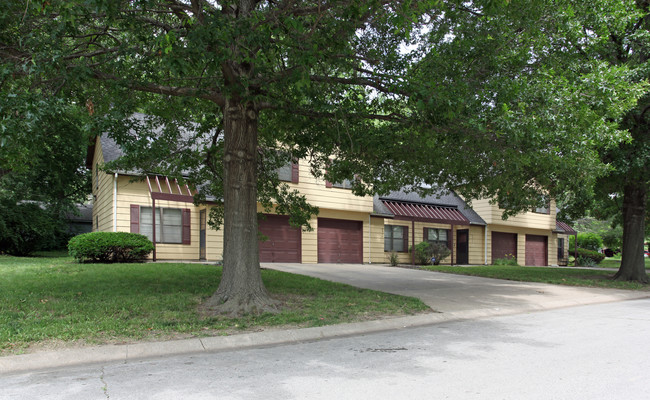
439,252
110,247
509,259
587,240
425,252
27,227
594,256
392,258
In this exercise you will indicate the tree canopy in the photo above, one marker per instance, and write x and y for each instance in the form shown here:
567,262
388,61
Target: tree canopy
485,97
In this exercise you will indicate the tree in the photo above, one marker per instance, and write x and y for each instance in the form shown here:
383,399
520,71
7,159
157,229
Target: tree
623,193
42,178
478,96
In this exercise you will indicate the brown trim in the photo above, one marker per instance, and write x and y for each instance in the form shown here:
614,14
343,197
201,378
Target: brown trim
295,172
135,218
172,197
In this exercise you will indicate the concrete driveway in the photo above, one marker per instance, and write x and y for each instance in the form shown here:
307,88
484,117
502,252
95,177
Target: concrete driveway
448,293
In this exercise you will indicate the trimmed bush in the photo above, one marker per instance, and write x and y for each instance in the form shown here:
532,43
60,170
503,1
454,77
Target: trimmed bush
110,247
584,254
587,240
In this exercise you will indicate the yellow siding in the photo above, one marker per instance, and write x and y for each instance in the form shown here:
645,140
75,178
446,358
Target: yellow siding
102,193
477,244
491,213
404,257
329,198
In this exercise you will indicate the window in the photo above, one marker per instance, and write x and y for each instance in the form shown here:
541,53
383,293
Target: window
396,238
546,209
560,249
288,172
169,224
433,235
346,184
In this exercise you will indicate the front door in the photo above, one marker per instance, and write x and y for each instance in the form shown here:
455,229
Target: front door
462,246
202,255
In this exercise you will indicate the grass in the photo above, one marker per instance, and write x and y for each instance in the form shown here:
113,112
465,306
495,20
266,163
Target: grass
559,276
52,301
615,262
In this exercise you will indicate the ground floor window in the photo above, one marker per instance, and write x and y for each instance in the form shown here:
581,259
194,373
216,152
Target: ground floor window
434,235
396,238
169,224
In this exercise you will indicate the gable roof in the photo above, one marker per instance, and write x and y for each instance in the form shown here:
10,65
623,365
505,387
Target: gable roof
449,206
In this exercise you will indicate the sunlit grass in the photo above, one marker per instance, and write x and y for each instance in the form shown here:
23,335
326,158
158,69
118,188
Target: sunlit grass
44,299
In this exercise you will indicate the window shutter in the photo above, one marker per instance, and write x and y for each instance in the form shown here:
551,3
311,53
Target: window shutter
295,172
328,184
187,215
406,239
135,218
425,237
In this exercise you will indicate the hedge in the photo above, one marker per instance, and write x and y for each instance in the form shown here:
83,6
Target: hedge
595,256
110,247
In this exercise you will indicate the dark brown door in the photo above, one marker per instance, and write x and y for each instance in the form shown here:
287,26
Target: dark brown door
462,246
283,241
504,245
536,250
340,241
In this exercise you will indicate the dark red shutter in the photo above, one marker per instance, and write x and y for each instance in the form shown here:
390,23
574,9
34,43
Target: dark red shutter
135,218
295,172
187,233
406,239
424,235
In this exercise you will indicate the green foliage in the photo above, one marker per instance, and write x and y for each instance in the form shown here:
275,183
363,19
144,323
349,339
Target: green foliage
425,252
586,240
509,259
27,227
588,257
45,299
393,259
110,247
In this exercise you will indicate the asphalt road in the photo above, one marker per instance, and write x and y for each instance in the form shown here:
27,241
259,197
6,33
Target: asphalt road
588,352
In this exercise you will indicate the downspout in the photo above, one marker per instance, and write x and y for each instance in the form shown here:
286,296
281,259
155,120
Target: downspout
153,220
485,244
452,244
412,242
115,203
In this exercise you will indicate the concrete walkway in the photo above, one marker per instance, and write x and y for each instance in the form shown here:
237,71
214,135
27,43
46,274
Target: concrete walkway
454,297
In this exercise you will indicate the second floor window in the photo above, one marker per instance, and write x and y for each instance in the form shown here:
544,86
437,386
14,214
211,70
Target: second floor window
396,238
169,224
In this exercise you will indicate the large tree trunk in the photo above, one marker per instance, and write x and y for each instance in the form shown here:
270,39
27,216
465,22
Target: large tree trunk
241,289
632,263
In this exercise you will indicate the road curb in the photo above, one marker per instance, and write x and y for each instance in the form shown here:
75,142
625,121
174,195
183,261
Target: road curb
132,352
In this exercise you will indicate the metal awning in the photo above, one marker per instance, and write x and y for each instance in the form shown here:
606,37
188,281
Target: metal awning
563,227
425,212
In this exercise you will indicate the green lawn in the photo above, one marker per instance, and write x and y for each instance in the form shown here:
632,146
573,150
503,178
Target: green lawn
560,276
46,301
615,262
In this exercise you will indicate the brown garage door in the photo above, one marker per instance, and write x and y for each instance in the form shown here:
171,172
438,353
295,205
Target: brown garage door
536,250
283,244
340,241
504,245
